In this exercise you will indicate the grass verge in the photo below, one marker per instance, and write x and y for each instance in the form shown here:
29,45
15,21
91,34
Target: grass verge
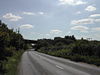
11,65
78,58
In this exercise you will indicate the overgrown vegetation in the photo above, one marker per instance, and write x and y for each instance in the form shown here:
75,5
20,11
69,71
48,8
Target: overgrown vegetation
71,48
11,65
11,44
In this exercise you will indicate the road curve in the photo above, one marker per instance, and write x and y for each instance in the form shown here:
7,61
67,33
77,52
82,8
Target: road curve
35,63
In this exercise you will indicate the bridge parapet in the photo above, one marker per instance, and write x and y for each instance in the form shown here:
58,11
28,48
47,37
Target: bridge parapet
30,41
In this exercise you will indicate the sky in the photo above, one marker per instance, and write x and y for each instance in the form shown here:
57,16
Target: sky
39,19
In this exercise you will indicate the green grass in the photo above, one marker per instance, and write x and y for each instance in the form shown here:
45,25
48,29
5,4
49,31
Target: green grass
12,64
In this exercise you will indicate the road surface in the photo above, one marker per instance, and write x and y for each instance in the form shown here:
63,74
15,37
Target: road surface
35,63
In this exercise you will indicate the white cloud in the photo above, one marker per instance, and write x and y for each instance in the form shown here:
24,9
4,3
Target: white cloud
90,8
47,34
55,31
26,26
41,13
95,15
69,32
12,17
82,21
78,12
72,2
80,28
32,13
85,21
96,29
97,20
28,13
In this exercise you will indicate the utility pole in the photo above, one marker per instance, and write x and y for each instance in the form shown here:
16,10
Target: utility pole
0,23
18,30
18,38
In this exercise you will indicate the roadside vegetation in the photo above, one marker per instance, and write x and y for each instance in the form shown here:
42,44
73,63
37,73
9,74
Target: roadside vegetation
11,66
11,47
79,50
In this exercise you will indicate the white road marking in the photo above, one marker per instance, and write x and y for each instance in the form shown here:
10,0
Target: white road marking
59,67
56,65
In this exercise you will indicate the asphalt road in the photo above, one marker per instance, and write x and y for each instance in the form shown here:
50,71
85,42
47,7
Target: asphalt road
35,63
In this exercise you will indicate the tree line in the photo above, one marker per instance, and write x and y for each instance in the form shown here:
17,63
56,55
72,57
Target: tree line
71,48
10,42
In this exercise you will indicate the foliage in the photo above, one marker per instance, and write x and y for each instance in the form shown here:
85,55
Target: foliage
71,48
12,64
10,42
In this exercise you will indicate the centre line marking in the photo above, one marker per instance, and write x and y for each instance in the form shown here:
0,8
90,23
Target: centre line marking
59,67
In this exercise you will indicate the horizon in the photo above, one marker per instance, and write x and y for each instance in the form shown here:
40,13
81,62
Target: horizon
48,19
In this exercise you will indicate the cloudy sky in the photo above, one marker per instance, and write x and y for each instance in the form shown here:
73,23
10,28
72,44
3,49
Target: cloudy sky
49,18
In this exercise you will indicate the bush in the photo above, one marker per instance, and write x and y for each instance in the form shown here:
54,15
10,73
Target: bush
11,65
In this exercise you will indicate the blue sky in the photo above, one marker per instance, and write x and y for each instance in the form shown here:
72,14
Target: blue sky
51,18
